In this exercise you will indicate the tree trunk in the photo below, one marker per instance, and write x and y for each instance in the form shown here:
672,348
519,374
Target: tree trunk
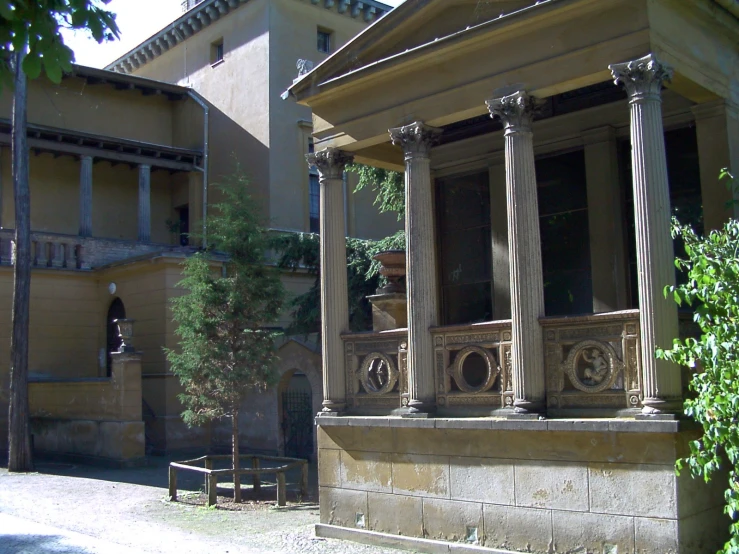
20,455
235,455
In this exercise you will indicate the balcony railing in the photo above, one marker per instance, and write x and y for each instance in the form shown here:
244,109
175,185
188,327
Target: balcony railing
58,251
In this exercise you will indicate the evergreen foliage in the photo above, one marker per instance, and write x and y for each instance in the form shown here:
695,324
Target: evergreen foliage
388,185
712,288
225,350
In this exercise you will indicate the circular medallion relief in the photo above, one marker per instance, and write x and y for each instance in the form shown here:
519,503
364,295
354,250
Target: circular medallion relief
475,369
378,374
592,366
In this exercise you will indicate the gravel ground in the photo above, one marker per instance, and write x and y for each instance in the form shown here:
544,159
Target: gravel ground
77,509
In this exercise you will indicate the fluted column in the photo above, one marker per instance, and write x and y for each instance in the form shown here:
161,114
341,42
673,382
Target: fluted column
524,248
85,196
643,80
334,291
420,256
144,203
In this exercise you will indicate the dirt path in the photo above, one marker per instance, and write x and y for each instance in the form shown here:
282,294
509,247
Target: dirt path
127,510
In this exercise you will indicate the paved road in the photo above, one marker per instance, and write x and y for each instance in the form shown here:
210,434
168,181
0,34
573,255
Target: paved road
74,509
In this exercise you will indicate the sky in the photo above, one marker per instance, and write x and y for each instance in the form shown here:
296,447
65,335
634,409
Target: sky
137,20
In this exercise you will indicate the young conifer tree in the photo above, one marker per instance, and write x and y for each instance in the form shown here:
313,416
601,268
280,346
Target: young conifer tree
225,350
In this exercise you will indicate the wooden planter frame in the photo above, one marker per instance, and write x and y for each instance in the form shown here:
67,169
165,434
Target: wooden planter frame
256,471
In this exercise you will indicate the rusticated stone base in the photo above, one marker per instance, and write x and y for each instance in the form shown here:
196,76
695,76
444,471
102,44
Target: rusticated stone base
601,486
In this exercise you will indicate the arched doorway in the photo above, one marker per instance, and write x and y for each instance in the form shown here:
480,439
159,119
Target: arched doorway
296,415
112,340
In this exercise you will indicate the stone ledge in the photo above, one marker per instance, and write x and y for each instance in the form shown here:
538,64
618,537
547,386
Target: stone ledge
414,544
501,424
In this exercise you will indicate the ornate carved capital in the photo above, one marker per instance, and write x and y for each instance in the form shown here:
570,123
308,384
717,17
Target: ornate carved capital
330,162
515,110
642,78
415,139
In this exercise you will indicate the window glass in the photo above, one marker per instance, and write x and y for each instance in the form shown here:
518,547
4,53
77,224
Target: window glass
324,41
315,203
565,235
463,223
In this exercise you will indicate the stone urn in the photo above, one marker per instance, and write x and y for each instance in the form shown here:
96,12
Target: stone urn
392,267
125,332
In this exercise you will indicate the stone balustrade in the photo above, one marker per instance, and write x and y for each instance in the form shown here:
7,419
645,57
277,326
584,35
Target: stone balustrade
73,252
376,376
593,364
473,368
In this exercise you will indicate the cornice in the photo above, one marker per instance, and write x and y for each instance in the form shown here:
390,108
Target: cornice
208,12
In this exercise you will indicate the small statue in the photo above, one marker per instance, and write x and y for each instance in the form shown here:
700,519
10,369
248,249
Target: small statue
304,66
598,371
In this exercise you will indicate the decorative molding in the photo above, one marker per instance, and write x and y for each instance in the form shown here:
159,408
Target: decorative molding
516,111
378,374
642,78
330,162
208,12
415,139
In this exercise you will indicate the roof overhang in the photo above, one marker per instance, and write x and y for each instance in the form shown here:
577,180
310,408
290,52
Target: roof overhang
208,12
145,86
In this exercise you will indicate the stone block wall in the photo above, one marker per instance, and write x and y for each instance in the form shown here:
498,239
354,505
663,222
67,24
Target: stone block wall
538,488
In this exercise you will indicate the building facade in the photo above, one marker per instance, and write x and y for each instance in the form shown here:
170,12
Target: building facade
545,147
123,169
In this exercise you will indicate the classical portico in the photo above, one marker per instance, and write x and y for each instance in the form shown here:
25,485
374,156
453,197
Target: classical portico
540,184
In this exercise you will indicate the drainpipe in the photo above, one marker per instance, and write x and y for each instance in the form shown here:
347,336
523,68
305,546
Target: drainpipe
206,154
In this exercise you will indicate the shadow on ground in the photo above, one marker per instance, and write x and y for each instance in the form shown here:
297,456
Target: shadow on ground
38,544
156,474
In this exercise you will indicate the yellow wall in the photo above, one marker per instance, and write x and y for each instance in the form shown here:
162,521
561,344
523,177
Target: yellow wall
99,109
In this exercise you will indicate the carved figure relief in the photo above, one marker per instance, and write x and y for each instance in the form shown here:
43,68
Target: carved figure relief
592,366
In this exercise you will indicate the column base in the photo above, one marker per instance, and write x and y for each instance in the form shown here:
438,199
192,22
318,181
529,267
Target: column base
660,408
331,409
528,408
417,409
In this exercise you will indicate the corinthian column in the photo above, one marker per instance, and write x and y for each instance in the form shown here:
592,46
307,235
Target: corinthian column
524,250
334,292
416,140
643,80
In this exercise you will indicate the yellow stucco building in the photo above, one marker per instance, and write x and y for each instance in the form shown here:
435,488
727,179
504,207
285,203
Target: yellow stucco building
121,167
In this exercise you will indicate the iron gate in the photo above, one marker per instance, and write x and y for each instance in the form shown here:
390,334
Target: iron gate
297,424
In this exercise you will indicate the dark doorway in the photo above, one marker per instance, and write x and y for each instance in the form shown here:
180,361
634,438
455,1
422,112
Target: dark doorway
297,418
183,218
113,341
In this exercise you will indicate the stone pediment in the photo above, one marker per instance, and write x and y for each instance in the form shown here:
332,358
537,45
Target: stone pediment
411,25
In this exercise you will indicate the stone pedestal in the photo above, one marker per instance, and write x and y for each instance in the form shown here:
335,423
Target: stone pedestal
416,140
524,247
389,311
643,80
334,292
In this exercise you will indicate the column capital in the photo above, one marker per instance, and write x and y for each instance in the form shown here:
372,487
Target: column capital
415,139
642,78
85,157
330,162
144,167
515,110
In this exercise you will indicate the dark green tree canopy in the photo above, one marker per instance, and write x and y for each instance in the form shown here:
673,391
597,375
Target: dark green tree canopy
34,25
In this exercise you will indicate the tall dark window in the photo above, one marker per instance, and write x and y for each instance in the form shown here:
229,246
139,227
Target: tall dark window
314,194
183,217
324,41
463,216
565,235
216,52
315,202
